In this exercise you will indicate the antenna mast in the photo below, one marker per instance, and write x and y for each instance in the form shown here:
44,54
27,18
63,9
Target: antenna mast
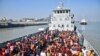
61,4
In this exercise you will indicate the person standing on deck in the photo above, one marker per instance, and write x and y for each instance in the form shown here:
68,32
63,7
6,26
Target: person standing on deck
84,51
81,40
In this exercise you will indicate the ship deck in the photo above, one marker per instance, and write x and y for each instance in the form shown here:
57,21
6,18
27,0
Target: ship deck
48,43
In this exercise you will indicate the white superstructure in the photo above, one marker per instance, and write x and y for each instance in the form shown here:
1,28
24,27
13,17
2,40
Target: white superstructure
61,19
83,20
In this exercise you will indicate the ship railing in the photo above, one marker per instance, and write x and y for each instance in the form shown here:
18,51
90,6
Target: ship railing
89,46
86,43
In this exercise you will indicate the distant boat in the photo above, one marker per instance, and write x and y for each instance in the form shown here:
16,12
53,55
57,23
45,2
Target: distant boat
83,22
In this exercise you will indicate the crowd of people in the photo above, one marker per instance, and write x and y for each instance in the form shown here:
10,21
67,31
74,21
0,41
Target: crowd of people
51,43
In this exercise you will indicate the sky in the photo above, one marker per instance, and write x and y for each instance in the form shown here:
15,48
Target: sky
18,9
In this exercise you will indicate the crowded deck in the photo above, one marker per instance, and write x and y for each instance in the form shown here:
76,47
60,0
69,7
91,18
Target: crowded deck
61,39
48,43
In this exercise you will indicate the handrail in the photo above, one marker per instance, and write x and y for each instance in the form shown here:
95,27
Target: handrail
86,43
89,46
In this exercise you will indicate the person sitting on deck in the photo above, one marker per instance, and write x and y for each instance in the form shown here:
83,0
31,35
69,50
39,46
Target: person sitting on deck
91,53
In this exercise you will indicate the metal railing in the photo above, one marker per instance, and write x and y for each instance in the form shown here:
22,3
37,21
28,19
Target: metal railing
87,44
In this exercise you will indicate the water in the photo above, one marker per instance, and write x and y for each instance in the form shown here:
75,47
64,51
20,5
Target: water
91,32
12,33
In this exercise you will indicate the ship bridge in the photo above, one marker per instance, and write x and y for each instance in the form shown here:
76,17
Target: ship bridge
61,19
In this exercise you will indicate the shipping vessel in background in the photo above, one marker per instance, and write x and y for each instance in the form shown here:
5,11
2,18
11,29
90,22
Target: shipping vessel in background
83,22
4,23
61,38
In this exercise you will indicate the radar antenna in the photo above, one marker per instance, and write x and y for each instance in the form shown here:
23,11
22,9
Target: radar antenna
61,4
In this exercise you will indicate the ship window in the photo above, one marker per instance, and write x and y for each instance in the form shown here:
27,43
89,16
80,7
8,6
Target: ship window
63,11
66,11
60,11
53,19
62,25
58,25
67,25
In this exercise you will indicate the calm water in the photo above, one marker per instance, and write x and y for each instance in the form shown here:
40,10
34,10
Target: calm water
90,31
12,33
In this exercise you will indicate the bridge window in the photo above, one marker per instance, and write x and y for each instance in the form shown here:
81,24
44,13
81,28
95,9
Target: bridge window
60,11
66,11
63,11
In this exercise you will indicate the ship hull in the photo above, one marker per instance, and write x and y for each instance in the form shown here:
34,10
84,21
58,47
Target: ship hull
83,23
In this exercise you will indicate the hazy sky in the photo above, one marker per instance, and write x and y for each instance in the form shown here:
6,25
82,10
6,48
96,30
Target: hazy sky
17,9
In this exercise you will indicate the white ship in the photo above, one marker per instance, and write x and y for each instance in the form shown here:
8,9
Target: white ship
55,43
83,22
61,19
